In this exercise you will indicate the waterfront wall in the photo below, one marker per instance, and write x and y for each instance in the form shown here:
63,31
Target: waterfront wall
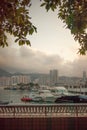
55,123
44,117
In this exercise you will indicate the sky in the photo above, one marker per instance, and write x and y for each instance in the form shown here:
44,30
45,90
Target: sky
52,47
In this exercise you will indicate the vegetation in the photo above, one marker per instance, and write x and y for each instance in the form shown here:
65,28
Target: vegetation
74,14
28,86
14,19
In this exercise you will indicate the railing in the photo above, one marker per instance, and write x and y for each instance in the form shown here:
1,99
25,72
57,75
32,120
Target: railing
44,110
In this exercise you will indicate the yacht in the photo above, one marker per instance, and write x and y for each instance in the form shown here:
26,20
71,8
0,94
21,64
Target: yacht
36,97
59,91
47,96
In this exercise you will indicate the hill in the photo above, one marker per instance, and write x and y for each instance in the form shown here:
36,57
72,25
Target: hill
4,73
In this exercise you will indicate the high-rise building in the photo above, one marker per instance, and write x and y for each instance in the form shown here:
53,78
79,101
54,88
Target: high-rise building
53,77
84,76
44,79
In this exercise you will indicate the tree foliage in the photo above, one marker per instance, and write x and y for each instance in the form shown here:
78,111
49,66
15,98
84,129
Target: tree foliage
74,14
14,19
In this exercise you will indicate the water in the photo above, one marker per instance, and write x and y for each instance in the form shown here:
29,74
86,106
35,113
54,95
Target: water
14,97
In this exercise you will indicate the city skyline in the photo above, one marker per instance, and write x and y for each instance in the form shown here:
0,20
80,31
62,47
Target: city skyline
52,47
51,79
6,73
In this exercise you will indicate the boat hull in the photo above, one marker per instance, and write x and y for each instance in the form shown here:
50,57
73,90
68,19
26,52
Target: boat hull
72,99
26,99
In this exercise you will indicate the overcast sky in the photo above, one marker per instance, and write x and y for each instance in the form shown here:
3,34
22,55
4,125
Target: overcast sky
52,47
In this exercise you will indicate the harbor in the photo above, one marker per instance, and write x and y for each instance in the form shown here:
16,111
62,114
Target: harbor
22,109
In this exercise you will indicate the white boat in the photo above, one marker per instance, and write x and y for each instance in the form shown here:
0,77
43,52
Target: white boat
36,97
59,91
47,96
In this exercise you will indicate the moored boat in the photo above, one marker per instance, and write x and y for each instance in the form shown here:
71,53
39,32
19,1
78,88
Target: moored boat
4,102
72,99
59,91
37,99
47,96
26,99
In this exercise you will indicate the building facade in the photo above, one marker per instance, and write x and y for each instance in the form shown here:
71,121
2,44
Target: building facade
53,77
13,80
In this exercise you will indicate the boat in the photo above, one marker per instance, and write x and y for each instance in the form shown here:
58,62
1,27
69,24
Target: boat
4,102
47,96
36,97
11,88
7,88
72,99
26,99
59,91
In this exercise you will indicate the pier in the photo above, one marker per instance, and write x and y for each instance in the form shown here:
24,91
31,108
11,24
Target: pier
44,117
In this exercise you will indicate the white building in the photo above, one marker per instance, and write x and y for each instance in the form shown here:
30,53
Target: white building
20,79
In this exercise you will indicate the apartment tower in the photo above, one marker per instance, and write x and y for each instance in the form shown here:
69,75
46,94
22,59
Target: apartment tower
53,77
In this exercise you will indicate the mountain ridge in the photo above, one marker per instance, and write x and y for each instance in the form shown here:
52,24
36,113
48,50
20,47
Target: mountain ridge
4,73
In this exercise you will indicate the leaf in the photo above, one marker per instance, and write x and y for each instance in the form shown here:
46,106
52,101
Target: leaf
82,51
28,42
17,40
31,31
6,43
15,33
43,4
53,7
35,29
47,7
21,42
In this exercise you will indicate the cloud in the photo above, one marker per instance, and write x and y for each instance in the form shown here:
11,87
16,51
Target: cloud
79,65
25,59
53,43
